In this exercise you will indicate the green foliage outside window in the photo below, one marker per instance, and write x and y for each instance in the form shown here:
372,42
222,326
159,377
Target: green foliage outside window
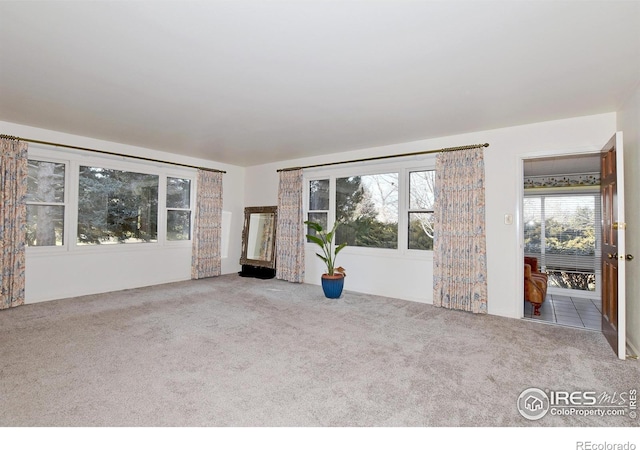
115,206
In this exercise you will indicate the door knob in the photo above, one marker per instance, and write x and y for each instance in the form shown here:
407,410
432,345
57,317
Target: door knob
612,256
629,257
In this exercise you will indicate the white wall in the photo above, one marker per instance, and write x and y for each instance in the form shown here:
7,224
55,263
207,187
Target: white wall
629,123
67,274
411,279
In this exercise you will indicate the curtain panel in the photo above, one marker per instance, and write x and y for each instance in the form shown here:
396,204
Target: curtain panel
13,221
206,257
290,235
459,259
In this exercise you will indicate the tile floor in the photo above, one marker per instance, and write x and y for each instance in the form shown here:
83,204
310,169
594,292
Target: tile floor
569,311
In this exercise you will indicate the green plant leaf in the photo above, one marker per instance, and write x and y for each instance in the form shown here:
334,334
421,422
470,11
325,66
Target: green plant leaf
315,239
332,232
340,247
314,225
322,257
330,236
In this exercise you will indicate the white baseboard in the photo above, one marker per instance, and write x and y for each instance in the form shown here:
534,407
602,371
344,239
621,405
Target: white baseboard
633,348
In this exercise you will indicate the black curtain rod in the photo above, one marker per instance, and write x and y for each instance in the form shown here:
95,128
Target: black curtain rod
375,158
104,152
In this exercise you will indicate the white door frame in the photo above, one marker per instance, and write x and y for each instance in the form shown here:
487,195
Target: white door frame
590,150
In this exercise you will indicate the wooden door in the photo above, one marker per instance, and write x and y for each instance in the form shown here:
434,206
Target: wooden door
613,245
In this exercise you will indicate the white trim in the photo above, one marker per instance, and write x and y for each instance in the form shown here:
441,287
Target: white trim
73,159
402,168
519,189
632,347
622,248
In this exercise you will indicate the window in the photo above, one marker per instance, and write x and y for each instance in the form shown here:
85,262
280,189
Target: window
116,206
367,210
387,207
178,209
421,200
562,231
84,201
318,204
45,203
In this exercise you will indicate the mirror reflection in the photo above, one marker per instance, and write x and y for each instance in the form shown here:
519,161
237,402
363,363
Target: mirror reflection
258,236
259,245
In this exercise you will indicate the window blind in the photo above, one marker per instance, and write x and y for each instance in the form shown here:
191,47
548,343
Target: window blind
563,231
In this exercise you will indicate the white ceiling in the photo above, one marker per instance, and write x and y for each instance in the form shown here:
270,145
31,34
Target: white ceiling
246,83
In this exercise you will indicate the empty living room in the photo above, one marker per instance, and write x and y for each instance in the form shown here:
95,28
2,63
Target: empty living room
330,222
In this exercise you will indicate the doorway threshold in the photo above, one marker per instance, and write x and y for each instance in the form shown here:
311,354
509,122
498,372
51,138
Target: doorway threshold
572,311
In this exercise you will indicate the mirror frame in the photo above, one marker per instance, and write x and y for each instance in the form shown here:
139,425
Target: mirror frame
271,264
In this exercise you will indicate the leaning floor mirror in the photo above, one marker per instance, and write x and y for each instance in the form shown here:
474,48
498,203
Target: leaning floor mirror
258,257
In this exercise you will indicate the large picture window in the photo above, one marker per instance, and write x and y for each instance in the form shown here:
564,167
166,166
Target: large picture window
45,203
367,210
115,206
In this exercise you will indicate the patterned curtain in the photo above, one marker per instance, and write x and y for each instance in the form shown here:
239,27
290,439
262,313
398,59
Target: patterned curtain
459,258
290,230
13,221
206,254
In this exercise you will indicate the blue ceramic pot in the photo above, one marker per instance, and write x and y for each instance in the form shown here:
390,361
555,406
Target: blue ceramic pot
332,285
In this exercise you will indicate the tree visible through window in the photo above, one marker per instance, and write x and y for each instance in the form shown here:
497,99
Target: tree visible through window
318,204
367,209
421,200
45,203
115,206
178,209
561,231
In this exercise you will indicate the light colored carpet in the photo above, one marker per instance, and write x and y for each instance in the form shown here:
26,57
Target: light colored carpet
232,351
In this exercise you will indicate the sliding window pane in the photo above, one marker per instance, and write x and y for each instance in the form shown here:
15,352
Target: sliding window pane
421,189
45,182
178,193
421,231
319,195
178,225
318,217
45,225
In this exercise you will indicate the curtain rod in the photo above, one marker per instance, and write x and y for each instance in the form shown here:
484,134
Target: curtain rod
425,152
104,152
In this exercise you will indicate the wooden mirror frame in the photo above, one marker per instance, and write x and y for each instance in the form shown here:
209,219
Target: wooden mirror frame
248,211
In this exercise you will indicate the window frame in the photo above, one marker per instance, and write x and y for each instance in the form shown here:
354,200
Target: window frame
410,210
39,156
416,164
167,208
307,198
76,158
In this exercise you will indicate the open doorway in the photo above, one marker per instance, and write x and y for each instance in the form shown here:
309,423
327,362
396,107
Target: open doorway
562,240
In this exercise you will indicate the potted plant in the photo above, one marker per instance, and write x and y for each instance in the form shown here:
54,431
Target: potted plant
333,279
